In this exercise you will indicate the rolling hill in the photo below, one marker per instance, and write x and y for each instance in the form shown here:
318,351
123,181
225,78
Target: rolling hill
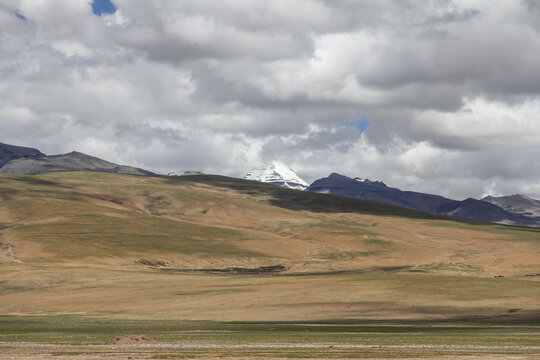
212,247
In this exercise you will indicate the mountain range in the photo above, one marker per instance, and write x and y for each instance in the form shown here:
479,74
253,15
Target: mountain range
487,209
517,204
23,160
512,210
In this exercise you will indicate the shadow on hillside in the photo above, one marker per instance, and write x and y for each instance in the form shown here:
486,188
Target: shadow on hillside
35,180
309,201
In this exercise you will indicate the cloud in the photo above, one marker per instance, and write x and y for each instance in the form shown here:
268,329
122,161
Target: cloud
449,88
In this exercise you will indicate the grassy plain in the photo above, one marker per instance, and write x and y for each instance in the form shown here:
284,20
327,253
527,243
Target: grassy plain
85,338
70,275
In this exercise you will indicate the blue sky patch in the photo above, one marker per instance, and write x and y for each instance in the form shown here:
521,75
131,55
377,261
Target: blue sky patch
20,16
361,125
100,7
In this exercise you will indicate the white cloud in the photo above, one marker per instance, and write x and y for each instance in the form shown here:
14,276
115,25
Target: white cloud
449,88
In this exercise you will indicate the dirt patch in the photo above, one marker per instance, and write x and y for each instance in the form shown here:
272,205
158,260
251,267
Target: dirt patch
237,270
8,251
273,269
132,340
152,263
160,265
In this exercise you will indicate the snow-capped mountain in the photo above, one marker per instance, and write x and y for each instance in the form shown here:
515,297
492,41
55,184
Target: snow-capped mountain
277,174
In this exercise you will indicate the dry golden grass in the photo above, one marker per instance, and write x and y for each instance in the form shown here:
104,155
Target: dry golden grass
70,242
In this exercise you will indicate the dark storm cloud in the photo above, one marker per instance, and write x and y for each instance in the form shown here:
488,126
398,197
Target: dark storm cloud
450,88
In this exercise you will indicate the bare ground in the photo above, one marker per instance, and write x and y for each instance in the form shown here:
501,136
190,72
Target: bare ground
146,349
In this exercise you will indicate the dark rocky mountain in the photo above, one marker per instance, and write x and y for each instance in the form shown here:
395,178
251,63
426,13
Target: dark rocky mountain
11,152
22,160
337,184
518,204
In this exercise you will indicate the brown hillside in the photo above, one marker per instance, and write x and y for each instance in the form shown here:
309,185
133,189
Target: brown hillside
207,247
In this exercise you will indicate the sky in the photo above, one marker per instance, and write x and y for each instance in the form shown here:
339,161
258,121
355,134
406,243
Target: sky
433,96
